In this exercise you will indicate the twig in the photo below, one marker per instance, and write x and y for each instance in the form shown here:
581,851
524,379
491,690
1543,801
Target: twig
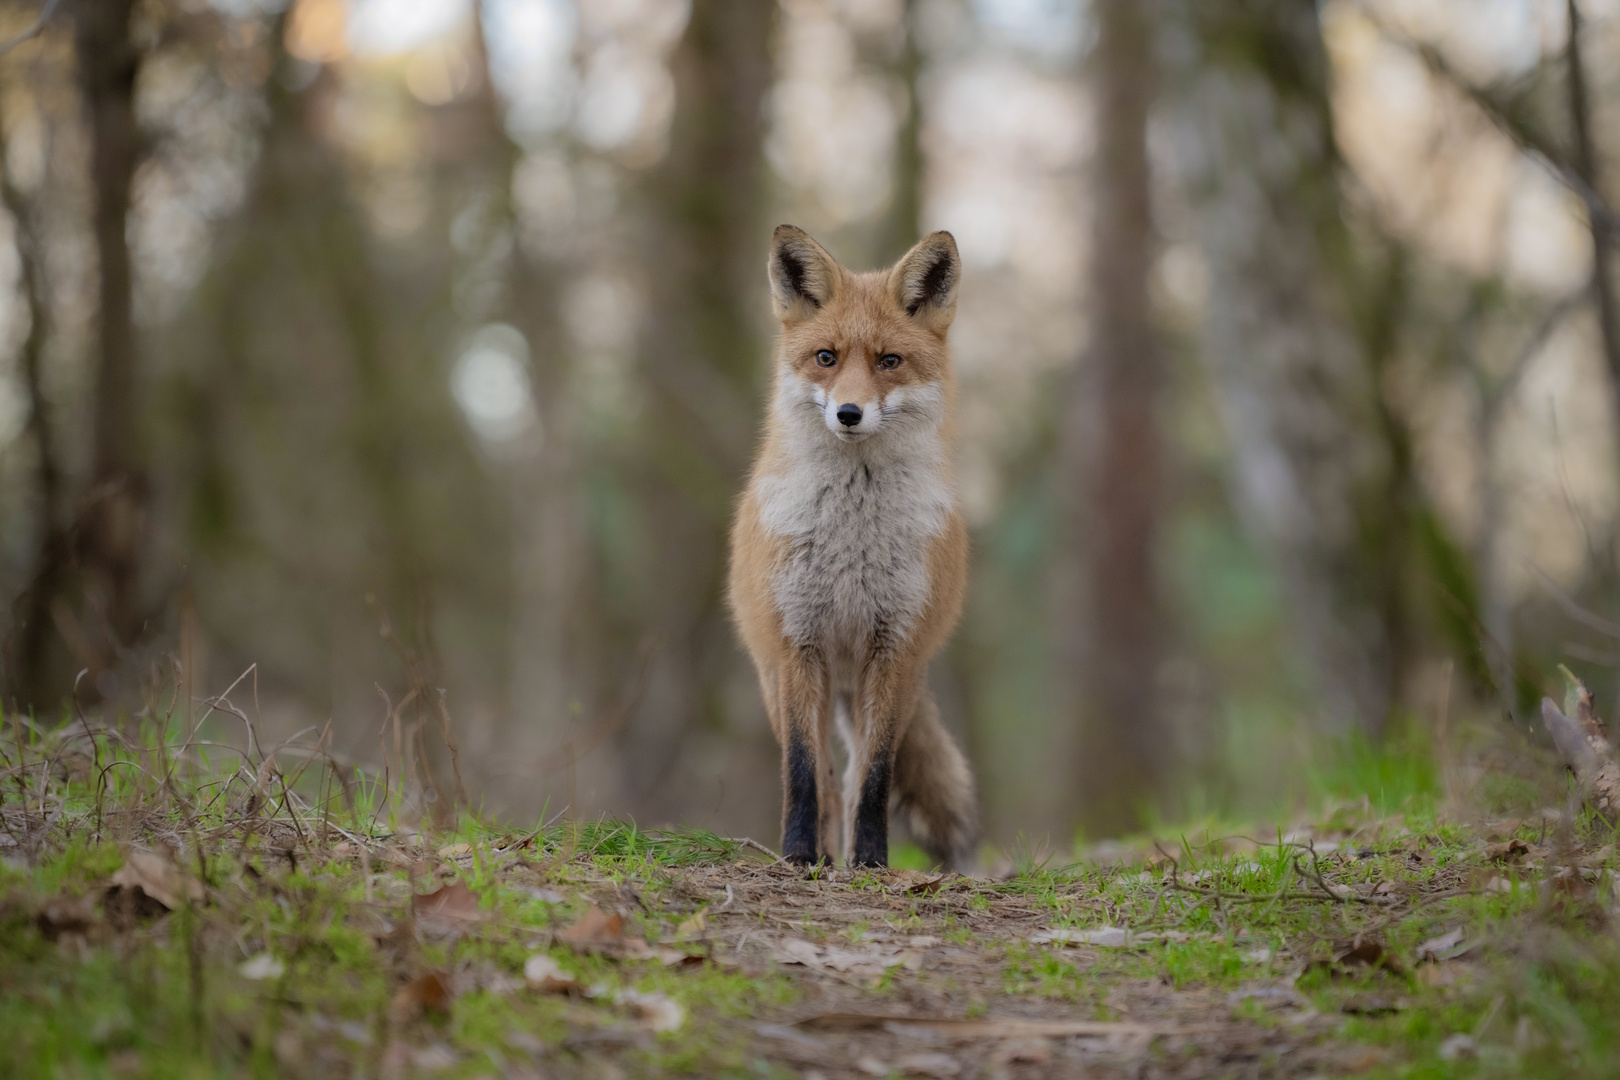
36,28
756,845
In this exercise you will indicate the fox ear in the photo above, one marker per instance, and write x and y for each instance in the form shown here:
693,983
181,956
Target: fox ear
924,281
803,275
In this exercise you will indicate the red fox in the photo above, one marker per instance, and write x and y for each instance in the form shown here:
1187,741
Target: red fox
849,554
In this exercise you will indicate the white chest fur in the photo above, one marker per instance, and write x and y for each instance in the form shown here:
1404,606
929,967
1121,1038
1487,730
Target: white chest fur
859,518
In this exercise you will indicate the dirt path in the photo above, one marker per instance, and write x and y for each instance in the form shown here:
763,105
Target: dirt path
904,973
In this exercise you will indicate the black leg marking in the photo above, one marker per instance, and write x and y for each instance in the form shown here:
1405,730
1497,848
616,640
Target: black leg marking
872,815
799,823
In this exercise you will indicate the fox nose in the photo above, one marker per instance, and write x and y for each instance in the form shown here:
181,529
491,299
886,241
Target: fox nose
849,415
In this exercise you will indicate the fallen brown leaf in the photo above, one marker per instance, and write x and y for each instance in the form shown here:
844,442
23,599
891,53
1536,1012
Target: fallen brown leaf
595,931
446,911
1506,851
426,993
149,874
916,882
1367,954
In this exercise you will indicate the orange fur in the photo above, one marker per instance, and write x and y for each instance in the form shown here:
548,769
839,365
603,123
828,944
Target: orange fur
849,554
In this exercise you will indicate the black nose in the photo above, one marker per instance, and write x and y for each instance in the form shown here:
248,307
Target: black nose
849,415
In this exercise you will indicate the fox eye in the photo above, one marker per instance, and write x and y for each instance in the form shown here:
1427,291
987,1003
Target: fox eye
826,357
888,361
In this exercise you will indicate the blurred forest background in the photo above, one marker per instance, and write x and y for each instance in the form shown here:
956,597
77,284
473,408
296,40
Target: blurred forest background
421,345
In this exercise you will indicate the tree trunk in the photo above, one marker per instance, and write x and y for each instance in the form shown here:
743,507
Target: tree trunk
1123,746
32,678
1301,410
116,502
554,663
902,224
702,357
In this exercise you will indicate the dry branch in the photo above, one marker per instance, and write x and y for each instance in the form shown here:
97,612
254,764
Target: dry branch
1583,746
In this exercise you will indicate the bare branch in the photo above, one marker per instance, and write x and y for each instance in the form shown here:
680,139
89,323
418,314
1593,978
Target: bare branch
1508,119
36,28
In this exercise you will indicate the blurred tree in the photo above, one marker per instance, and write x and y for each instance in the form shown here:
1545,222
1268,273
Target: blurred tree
33,675
902,220
316,460
1310,467
114,527
555,659
1124,748
703,358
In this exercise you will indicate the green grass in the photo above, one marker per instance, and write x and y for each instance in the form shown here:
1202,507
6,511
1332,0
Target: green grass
166,996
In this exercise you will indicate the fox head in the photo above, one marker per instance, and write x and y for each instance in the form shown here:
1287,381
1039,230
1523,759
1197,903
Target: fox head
866,351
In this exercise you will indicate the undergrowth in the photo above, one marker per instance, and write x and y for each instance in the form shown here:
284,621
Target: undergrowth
303,918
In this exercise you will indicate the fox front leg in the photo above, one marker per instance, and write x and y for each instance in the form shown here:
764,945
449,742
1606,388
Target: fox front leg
887,694
804,708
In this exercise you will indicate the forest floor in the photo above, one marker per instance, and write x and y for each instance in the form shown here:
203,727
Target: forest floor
156,923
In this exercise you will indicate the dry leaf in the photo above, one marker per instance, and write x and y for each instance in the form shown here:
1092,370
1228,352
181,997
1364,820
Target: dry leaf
595,931
453,901
1441,947
544,974
261,967
1507,851
1367,954
447,910
428,993
146,873
916,882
